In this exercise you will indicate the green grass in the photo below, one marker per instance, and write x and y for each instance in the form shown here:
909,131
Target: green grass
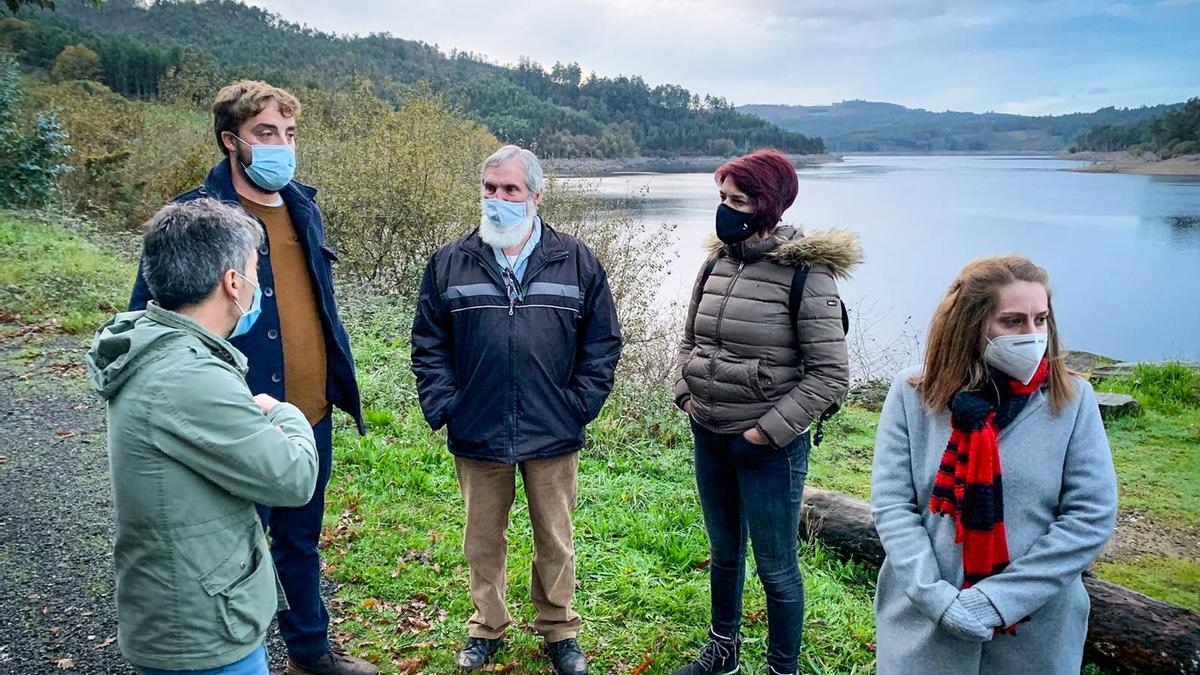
1157,453
1170,388
395,523
1172,579
394,539
53,277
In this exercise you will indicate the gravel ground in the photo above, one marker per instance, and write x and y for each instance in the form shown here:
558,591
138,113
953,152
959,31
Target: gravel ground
56,573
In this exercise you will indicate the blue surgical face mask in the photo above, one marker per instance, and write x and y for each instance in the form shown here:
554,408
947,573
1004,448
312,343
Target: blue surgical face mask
271,166
249,316
504,215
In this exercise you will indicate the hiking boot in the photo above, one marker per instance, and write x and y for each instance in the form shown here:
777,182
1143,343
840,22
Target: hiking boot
721,656
334,662
567,657
478,652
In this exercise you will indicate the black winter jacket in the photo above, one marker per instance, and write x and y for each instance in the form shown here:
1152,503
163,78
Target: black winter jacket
515,376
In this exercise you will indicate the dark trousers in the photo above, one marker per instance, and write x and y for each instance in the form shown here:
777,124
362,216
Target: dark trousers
754,492
295,533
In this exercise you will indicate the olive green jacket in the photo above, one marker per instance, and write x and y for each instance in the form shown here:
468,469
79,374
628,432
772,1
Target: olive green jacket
742,361
190,454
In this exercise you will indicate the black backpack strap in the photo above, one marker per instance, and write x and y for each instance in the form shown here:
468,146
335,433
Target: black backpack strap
796,295
708,270
698,291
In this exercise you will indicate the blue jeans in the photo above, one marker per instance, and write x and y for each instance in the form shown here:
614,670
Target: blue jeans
254,664
295,533
750,491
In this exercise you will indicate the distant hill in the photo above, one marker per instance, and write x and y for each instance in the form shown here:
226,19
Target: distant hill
559,110
868,126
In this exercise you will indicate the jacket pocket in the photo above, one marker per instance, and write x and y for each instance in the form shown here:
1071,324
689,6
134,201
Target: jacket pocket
753,367
695,371
243,588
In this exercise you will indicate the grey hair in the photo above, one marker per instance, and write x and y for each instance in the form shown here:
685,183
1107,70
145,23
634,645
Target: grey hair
189,246
535,180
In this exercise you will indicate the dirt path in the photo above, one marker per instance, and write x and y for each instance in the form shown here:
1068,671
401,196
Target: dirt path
57,613
56,607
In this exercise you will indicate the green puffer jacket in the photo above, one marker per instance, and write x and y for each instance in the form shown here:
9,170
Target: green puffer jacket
190,454
742,363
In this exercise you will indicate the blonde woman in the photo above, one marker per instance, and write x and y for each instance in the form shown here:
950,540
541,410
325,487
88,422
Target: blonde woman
993,488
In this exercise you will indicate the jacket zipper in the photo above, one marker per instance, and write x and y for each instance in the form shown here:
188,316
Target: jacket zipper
522,289
712,364
512,304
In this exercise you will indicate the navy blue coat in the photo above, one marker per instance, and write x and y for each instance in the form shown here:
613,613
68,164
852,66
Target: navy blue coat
262,345
514,376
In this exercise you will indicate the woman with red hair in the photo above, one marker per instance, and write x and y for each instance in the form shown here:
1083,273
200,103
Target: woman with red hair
762,356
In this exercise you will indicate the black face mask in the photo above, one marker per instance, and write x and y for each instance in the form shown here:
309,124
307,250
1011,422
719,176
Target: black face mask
733,226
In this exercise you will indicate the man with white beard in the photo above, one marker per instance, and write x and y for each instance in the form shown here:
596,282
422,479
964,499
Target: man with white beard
514,345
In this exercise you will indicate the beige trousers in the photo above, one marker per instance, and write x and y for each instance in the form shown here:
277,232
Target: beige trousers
489,489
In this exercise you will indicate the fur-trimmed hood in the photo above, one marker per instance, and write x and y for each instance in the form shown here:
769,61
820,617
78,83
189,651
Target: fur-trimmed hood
838,250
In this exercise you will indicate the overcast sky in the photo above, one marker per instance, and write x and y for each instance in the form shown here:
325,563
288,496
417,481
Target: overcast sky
1022,56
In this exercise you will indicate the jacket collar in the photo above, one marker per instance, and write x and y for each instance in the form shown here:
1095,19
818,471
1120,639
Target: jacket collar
752,251
219,347
550,247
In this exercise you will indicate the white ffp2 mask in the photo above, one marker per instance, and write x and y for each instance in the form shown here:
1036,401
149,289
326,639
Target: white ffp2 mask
1017,356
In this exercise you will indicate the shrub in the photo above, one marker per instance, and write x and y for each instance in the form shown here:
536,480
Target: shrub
104,128
76,62
32,155
395,185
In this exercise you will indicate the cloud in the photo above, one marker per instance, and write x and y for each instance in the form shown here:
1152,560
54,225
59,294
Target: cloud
1022,55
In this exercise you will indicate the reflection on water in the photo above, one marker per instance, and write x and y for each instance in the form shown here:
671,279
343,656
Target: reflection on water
1123,251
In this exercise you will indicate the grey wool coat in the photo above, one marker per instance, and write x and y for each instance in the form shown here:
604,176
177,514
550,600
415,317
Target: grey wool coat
1060,506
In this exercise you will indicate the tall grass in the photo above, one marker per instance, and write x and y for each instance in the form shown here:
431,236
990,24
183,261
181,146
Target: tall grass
51,277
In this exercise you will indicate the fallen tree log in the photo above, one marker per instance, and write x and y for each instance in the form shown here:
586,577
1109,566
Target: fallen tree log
1127,632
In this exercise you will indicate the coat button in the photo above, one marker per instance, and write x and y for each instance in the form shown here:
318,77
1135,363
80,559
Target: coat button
262,250
268,291
243,563
276,378
272,334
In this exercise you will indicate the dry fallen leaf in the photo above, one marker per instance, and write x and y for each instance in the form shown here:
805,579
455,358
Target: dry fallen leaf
65,664
3,459
412,665
63,433
107,642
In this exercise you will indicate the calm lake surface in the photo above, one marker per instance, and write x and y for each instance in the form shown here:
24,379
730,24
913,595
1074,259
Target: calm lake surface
1123,251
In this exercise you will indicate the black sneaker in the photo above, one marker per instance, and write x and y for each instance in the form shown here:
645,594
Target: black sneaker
478,652
721,656
567,657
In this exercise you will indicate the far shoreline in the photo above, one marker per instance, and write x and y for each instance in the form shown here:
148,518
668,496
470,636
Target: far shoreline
1094,162
591,167
1123,162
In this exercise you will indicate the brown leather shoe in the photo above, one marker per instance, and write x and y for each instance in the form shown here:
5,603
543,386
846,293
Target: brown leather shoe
336,662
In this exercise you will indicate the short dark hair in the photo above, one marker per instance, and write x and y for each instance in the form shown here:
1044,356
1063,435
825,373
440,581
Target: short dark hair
189,245
768,179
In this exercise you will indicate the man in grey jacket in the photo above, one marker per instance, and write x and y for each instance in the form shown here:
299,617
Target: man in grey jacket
191,451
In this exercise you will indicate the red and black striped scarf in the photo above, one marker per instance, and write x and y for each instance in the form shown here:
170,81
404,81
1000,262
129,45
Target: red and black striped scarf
968,484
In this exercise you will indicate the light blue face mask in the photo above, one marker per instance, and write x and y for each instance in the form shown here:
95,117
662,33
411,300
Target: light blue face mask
271,166
249,316
504,215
